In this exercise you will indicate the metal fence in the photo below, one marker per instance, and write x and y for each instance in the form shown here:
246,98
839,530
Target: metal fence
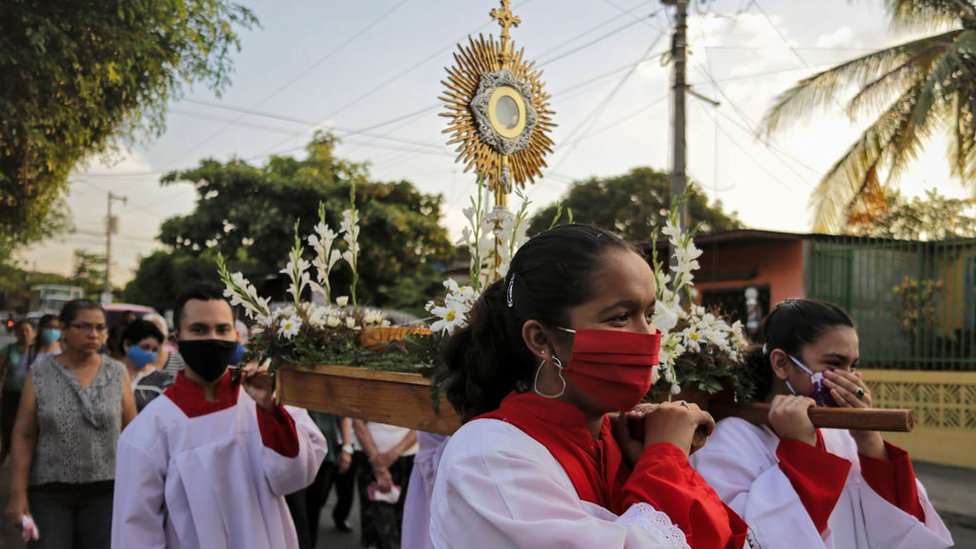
914,302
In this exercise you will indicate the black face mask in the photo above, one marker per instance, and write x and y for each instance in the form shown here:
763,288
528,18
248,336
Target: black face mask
207,357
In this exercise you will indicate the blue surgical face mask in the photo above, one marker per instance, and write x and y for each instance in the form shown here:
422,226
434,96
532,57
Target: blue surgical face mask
238,354
50,335
140,357
821,393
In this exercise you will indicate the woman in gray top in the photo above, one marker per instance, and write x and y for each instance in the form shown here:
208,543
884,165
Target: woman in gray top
73,408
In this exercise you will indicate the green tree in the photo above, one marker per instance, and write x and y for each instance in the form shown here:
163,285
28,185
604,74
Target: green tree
163,274
11,274
934,217
89,272
632,205
78,74
924,86
248,213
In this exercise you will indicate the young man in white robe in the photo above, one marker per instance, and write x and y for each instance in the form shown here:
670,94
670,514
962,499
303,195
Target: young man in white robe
208,464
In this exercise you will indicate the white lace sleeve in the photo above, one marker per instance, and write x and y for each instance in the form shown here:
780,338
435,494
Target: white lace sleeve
655,523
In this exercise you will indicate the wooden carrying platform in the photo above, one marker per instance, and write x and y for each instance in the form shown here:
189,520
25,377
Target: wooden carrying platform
404,399
394,398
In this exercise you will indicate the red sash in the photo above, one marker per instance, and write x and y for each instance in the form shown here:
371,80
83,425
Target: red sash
595,467
663,476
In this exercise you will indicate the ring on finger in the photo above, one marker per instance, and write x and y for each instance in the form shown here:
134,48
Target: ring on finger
859,393
685,404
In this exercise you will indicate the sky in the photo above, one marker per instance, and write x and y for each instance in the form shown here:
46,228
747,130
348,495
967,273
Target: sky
371,71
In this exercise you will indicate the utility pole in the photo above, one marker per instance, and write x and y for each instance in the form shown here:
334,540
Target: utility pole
679,154
111,226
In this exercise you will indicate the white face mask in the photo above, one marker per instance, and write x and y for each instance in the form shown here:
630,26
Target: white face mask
821,393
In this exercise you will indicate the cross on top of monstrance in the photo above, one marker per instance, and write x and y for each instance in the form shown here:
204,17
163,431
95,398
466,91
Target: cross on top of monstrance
498,110
505,19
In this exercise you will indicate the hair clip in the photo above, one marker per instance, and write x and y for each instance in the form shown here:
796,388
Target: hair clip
511,284
765,349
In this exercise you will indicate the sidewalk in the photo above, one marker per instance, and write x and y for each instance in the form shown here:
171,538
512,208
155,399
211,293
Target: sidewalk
952,491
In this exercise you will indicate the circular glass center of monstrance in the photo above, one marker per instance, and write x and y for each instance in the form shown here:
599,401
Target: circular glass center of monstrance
506,111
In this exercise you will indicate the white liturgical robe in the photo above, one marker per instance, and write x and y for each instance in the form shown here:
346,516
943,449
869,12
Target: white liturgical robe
498,487
740,462
208,479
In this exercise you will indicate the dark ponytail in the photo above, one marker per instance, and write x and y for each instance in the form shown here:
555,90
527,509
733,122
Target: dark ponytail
791,326
550,274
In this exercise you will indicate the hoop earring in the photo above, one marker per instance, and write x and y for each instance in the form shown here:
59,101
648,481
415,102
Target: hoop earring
559,371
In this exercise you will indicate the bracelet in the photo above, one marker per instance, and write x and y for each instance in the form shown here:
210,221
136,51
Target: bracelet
347,448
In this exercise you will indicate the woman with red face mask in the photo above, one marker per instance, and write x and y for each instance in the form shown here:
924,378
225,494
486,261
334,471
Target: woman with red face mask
804,487
553,347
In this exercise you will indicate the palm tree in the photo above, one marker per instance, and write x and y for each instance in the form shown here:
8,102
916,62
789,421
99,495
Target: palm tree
923,86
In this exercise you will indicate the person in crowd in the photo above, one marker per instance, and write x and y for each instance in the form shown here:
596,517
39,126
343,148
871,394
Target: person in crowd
14,360
306,505
168,359
335,472
564,338
73,407
48,337
416,508
383,465
343,477
142,342
799,486
113,346
128,317
208,464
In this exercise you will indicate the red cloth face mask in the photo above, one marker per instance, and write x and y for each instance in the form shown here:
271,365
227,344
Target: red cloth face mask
613,367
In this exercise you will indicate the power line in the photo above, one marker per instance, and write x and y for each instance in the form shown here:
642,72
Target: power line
599,39
84,232
365,130
343,132
392,79
750,126
766,48
779,33
766,73
602,105
627,12
546,52
540,65
756,162
301,74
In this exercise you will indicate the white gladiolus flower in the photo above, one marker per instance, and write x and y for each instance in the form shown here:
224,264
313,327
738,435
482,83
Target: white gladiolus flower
675,389
342,300
349,257
332,321
350,322
665,317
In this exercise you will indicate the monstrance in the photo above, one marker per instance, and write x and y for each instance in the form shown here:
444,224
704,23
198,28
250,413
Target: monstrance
498,110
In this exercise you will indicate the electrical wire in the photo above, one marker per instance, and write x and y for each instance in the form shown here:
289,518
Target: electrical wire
300,75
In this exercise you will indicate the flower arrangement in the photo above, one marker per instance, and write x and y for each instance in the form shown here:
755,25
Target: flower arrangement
319,331
492,238
699,348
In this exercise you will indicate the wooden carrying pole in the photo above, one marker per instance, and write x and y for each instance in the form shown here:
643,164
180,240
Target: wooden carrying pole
873,419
